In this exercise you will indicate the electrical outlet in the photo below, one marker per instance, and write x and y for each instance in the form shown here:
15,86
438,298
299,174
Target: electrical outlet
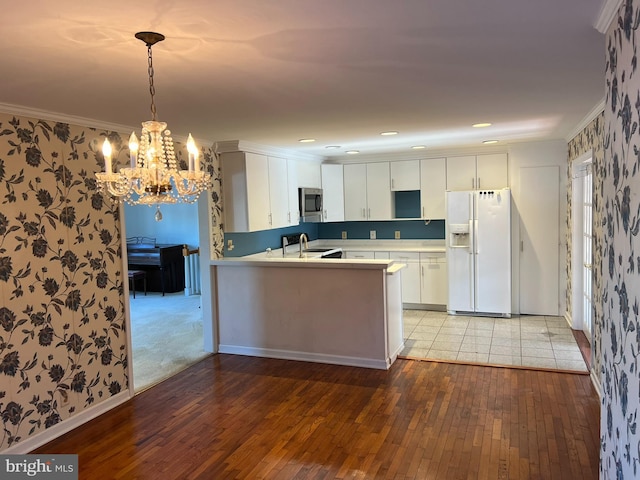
397,236
372,234
344,235
229,244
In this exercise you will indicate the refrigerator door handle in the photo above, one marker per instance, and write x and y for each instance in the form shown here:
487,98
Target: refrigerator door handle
475,236
472,238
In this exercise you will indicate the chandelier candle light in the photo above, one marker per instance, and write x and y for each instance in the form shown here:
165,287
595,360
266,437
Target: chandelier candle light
153,177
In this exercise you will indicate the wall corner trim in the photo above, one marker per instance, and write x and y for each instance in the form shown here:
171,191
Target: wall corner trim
589,117
607,14
65,426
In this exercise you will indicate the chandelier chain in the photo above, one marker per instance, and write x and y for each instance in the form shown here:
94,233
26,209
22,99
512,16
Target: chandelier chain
152,88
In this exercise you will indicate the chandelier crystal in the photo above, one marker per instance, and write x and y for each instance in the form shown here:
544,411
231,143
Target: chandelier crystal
153,177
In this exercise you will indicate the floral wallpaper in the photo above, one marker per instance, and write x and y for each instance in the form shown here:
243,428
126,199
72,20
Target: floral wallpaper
62,313
591,138
620,248
62,340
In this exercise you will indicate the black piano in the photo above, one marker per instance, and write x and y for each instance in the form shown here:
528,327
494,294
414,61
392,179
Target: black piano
164,265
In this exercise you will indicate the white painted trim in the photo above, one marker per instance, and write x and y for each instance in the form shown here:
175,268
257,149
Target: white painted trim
395,354
67,425
608,12
595,383
304,356
589,117
417,154
126,299
567,317
22,111
228,146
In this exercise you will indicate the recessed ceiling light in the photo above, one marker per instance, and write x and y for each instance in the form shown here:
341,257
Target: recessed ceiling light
332,146
307,140
418,147
481,125
391,132
488,142
352,152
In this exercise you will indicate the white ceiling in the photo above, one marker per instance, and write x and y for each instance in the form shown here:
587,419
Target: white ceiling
339,71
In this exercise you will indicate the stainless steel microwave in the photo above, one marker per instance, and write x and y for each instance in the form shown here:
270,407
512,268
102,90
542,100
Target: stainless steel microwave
310,200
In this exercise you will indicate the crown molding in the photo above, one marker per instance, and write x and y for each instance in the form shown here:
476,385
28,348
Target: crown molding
607,14
228,146
590,117
81,121
418,154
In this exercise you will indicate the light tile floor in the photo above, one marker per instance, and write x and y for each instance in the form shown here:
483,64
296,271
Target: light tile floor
531,341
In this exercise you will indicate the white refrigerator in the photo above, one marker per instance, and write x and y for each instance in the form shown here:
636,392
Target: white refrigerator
478,236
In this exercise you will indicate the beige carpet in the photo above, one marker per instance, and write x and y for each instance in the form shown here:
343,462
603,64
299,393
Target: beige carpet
166,334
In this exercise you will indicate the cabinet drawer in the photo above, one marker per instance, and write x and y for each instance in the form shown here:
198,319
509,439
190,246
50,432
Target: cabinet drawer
405,256
433,257
356,254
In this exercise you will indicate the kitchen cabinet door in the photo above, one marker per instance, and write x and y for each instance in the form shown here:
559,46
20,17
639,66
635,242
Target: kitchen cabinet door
433,185
492,171
293,216
355,192
405,175
256,206
461,173
410,275
333,192
278,192
378,191
433,272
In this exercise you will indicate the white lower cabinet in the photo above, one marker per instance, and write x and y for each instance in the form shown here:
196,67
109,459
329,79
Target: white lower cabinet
410,275
424,280
433,276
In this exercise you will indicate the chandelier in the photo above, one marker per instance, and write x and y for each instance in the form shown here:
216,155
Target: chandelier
153,177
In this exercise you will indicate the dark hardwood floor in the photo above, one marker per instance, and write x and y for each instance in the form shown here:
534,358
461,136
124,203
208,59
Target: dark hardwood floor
234,417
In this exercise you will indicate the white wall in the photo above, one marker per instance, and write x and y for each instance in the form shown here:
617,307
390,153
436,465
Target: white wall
538,154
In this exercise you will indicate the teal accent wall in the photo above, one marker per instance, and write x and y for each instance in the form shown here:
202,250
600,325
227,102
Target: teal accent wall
255,242
409,230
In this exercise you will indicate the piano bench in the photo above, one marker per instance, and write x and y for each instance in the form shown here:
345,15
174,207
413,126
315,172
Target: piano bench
137,275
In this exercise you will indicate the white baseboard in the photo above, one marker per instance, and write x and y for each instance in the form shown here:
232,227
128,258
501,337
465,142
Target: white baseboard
304,356
394,355
596,383
65,426
569,320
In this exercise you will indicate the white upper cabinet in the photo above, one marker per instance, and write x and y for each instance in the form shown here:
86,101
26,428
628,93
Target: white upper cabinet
355,192
293,216
477,172
332,192
367,191
433,185
256,192
278,192
492,171
378,191
461,173
405,175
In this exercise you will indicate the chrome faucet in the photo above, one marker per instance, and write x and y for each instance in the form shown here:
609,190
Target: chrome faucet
303,237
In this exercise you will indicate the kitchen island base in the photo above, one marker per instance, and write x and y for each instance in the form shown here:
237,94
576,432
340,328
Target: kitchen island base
324,311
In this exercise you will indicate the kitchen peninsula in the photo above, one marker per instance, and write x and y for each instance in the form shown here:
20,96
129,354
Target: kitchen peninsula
339,311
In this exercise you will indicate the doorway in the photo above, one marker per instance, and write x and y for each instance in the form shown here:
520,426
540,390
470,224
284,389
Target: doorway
166,330
582,244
